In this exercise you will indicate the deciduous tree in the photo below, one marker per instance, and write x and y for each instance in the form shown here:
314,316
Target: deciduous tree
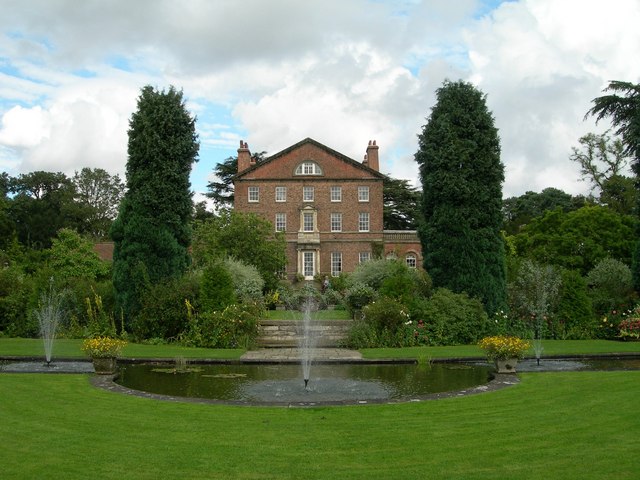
622,108
100,193
244,236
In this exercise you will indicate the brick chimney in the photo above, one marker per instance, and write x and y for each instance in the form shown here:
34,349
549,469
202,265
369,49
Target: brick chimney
372,156
244,156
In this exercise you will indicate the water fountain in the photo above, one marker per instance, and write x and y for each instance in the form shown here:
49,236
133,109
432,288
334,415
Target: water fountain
537,347
49,313
308,338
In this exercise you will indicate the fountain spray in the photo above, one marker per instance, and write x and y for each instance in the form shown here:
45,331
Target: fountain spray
49,313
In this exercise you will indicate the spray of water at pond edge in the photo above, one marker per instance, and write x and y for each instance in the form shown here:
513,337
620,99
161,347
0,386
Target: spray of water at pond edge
308,339
49,313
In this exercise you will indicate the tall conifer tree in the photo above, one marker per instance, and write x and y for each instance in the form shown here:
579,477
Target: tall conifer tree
461,174
152,231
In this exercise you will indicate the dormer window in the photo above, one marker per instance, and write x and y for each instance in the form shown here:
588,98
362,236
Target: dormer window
308,168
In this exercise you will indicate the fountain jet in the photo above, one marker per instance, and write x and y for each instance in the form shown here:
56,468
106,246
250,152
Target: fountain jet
49,314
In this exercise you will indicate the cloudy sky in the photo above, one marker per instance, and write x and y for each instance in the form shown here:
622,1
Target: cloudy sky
340,71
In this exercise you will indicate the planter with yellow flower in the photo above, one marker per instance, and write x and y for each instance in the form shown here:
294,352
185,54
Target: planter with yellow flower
504,351
104,352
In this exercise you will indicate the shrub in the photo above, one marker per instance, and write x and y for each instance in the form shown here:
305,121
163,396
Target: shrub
339,283
629,328
216,287
357,296
234,327
247,282
611,286
574,318
296,298
451,318
163,314
362,334
385,323
332,297
15,290
391,278
386,314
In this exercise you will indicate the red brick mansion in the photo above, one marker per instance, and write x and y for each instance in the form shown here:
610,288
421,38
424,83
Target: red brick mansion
328,206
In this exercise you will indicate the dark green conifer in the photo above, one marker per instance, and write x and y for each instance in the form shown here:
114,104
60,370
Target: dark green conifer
152,232
461,174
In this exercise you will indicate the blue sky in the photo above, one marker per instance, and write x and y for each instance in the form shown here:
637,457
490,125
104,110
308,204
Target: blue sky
273,73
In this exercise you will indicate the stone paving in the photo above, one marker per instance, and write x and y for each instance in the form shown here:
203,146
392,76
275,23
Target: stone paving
295,354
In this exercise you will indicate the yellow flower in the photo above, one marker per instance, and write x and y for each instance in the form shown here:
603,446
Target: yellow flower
503,347
103,347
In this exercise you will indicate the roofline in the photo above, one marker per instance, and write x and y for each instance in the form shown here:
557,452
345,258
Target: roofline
341,156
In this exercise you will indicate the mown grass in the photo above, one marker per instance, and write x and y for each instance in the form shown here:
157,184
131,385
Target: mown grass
551,347
70,348
569,425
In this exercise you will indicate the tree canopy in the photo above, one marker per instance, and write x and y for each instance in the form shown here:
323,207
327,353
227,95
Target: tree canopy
243,236
622,108
518,211
100,193
579,239
461,174
152,231
401,207
220,190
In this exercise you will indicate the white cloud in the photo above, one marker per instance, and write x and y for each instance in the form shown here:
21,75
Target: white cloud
276,72
81,126
541,63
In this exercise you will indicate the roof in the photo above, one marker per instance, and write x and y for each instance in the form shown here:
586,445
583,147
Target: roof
317,144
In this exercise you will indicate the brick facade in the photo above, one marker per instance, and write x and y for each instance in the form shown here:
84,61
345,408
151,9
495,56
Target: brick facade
328,205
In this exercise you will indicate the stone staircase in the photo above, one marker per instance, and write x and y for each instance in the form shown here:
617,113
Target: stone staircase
288,333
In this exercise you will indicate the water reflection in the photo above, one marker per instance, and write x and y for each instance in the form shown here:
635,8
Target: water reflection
284,383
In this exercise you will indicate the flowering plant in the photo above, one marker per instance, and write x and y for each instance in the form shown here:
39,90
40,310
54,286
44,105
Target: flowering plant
630,329
504,347
103,347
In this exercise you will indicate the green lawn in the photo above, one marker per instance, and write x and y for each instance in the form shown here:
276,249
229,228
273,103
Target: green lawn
71,348
551,347
67,348
579,425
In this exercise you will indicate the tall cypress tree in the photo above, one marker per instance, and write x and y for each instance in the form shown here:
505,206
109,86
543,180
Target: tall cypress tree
461,174
152,231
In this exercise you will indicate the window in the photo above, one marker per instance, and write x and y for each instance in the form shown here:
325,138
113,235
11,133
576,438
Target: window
363,194
411,260
364,257
336,194
307,194
254,194
281,222
307,222
363,222
336,264
308,269
281,194
308,168
336,222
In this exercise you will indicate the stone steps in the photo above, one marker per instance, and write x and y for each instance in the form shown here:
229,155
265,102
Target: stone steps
289,333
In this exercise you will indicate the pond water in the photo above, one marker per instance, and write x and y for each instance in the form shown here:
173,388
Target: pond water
283,383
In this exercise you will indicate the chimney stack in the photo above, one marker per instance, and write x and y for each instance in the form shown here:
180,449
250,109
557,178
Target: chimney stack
244,156
372,156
